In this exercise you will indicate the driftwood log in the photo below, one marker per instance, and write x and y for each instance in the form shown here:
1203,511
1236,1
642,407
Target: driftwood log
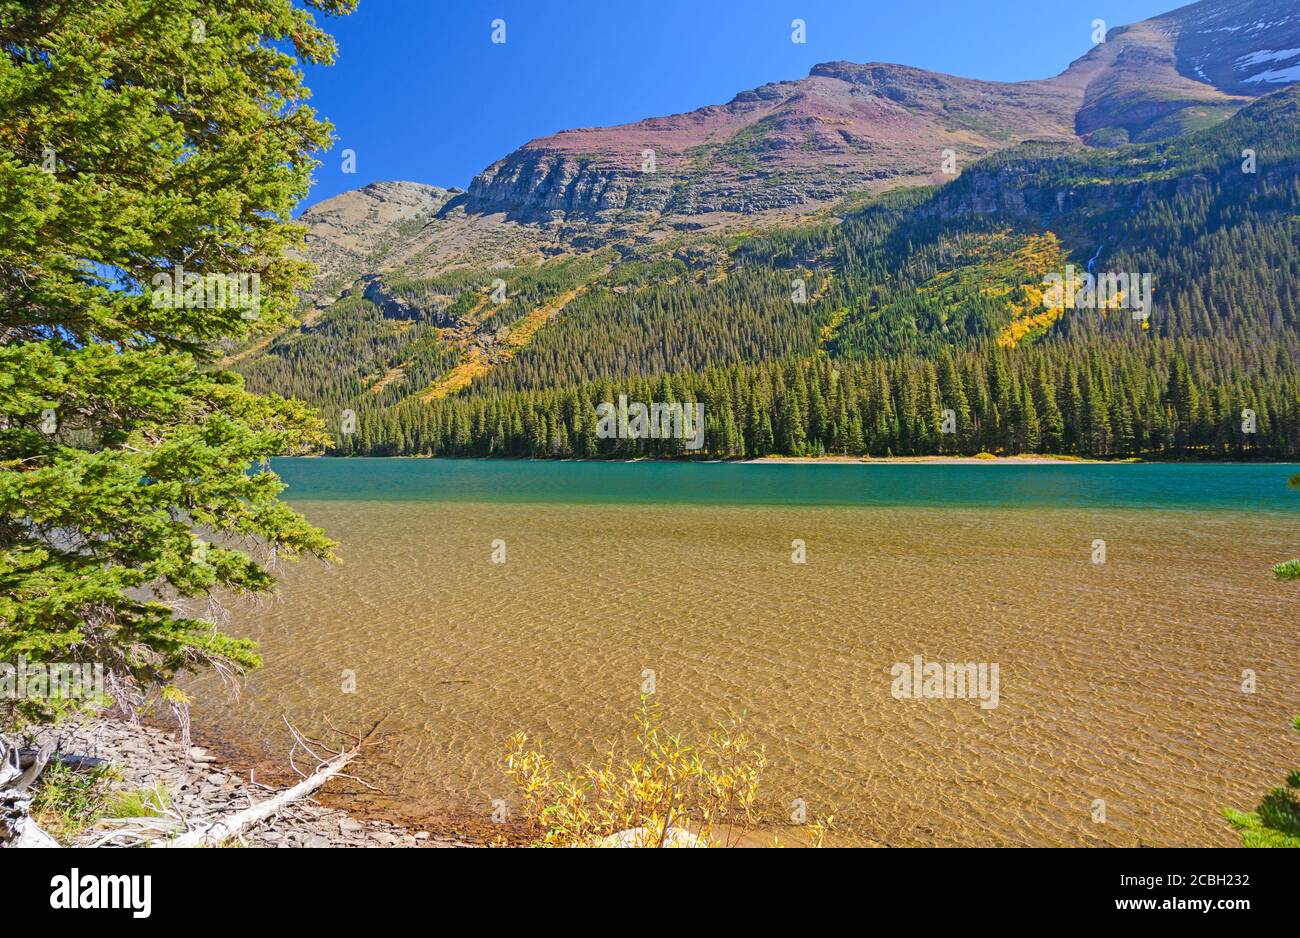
18,770
230,826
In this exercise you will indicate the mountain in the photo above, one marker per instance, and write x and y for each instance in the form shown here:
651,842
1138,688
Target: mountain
1184,70
785,145
845,128
491,321
793,149
349,232
1240,48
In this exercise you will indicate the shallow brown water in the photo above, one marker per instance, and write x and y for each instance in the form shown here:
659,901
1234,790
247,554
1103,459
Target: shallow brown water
1119,682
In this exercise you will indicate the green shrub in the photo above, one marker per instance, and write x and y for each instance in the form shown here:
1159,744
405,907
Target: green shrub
1276,822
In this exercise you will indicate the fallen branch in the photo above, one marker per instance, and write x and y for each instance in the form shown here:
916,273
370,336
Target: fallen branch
232,825
130,832
26,757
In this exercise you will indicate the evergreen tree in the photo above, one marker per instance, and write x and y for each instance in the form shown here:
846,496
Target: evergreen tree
137,140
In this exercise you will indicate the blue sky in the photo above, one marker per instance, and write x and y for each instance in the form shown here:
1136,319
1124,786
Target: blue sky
421,93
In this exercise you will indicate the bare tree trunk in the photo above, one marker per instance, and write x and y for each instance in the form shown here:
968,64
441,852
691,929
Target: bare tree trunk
17,829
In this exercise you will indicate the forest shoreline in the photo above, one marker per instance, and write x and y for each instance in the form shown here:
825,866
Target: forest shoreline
1037,459
927,460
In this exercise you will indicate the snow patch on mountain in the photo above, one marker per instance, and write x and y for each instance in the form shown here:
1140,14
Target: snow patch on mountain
1279,75
1264,55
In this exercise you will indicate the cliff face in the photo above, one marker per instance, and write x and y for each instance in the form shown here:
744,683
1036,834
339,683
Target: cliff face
376,291
539,181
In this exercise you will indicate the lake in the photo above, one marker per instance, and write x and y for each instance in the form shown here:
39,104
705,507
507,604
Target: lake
1122,606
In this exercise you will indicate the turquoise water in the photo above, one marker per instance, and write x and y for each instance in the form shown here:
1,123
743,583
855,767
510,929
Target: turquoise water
1155,486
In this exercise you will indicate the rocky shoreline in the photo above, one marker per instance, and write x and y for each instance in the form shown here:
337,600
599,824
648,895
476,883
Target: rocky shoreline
200,788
